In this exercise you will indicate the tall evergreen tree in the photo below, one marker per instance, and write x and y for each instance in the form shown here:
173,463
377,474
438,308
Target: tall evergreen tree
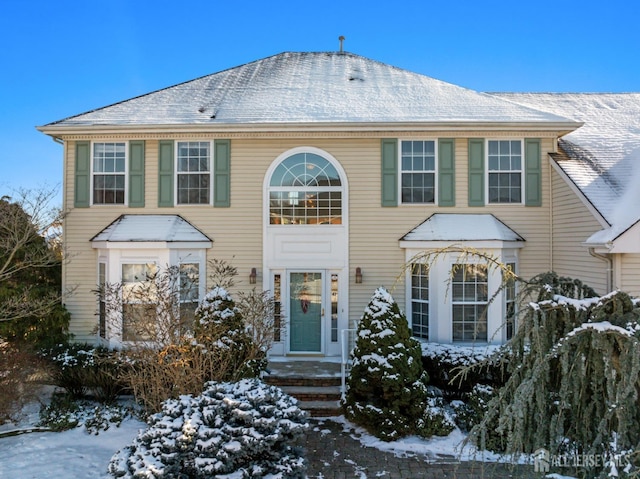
386,390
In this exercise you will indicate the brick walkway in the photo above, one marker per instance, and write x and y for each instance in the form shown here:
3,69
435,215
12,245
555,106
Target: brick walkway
336,455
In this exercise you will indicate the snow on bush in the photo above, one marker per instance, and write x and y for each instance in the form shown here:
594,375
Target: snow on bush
387,387
232,430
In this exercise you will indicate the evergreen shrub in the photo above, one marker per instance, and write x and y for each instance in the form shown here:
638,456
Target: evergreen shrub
236,430
387,386
444,362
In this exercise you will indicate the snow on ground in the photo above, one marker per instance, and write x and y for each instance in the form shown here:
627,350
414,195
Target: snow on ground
437,448
79,454
73,454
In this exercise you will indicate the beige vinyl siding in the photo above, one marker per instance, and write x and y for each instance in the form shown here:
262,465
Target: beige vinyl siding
236,231
629,274
573,223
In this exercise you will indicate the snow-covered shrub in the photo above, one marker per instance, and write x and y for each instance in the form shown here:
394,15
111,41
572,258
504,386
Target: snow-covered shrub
574,374
64,412
83,369
232,430
443,362
220,330
386,389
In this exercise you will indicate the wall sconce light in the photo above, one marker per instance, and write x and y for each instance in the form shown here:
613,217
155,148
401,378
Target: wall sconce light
252,276
358,275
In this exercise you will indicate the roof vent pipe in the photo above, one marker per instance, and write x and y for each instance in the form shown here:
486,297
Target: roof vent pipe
341,38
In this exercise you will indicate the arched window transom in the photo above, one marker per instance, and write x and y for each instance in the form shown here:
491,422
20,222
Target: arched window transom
305,189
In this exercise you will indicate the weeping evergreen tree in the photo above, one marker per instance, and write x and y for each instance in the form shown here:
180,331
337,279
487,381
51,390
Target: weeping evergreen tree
574,374
386,389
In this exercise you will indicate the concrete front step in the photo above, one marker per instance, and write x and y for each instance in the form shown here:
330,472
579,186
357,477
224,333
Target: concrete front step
313,393
321,408
302,381
315,384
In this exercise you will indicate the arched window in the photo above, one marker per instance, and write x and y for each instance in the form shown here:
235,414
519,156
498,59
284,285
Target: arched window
305,189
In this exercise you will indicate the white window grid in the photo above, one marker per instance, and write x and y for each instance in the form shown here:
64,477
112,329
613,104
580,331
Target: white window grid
193,172
418,165
109,173
469,285
505,171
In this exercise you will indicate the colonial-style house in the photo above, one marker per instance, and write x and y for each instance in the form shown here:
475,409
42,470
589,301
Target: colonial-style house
320,176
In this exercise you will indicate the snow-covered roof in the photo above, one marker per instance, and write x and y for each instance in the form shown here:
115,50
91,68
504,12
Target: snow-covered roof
151,228
462,227
308,87
603,156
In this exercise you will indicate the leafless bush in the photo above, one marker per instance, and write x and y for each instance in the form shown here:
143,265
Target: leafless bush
18,379
263,322
170,349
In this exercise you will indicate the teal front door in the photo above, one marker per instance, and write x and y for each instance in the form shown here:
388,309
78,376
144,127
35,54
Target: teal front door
305,309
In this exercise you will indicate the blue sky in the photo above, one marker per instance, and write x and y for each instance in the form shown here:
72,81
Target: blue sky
63,57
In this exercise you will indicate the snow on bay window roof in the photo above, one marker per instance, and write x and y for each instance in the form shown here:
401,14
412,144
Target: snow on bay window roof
313,87
462,227
151,229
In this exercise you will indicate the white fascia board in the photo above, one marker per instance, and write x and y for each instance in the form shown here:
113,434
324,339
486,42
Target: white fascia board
151,244
479,245
57,131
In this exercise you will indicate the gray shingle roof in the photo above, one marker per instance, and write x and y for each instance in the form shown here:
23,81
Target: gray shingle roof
311,88
603,156
462,227
151,228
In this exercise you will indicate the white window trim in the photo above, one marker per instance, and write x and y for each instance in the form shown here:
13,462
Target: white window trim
409,307
440,301
344,188
126,173
435,172
486,172
175,172
487,304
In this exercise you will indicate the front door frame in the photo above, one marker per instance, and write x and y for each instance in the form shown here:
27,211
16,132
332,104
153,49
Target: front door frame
308,303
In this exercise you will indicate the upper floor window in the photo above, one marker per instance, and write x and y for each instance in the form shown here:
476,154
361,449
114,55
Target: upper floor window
505,171
193,170
109,173
305,189
418,171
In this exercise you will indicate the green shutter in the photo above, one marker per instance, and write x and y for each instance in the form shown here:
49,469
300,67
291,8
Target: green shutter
82,174
476,172
389,172
532,172
136,174
446,173
165,173
222,173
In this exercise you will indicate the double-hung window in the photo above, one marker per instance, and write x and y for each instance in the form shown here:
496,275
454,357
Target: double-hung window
420,300
505,171
510,304
109,173
189,293
418,171
138,301
469,301
193,170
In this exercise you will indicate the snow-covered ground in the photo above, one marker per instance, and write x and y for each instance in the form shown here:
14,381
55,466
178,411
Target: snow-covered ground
79,454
